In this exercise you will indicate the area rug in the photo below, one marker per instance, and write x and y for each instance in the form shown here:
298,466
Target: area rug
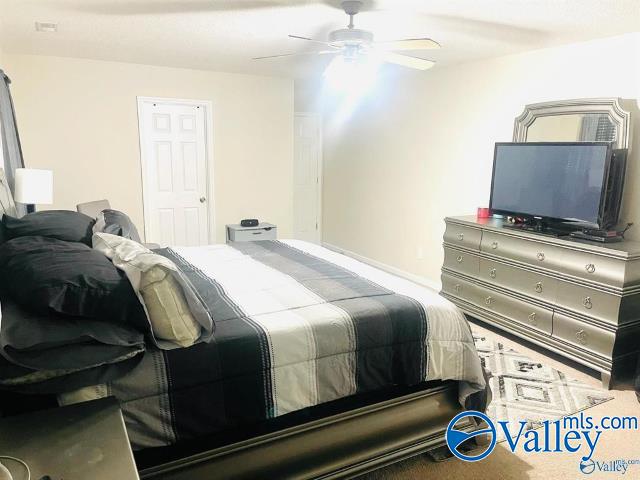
527,390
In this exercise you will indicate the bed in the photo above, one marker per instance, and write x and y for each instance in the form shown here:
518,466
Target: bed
320,366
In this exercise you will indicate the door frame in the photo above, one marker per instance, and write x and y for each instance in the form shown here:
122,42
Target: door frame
319,195
208,120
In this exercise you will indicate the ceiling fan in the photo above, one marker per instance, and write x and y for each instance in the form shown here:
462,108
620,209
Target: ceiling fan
354,45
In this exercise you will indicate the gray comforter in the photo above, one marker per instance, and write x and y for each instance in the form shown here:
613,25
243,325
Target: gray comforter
296,326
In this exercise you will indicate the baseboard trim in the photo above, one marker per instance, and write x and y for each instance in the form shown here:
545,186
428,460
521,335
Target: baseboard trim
425,282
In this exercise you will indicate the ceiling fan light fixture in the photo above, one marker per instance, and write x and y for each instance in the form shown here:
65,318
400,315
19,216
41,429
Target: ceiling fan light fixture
352,75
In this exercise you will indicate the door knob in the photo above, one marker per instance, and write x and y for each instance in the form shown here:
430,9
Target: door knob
203,199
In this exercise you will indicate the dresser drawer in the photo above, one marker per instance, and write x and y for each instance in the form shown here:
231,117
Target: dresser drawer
466,237
459,288
590,302
581,264
592,267
516,310
519,280
461,262
249,235
583,335
526,251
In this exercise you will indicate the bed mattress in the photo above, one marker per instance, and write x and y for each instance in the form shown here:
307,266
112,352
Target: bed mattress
297,325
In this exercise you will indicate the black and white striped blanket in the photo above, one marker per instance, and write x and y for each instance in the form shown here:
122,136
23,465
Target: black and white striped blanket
296,325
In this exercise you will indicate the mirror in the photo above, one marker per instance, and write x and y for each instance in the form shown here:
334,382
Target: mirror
588,127
582,120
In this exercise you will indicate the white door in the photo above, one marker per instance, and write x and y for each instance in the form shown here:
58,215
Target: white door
307,177
173,143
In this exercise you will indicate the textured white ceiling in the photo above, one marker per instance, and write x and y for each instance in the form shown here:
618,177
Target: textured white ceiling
224,34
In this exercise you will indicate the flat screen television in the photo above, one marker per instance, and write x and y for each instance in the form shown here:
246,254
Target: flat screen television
578,182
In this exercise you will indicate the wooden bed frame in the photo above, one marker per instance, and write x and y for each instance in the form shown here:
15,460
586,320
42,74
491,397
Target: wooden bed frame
339,446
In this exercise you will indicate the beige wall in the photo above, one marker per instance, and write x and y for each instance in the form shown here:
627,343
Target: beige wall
79,118
420,146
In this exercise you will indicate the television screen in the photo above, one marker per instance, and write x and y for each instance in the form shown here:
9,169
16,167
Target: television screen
551,180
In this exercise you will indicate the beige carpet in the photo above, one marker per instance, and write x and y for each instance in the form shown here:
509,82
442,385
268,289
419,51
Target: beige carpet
502,464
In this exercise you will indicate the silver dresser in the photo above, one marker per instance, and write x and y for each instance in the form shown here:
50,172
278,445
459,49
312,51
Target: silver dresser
579,299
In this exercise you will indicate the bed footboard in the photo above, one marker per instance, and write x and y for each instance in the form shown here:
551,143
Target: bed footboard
339,446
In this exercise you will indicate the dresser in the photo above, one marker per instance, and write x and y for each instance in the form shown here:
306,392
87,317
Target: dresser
579,299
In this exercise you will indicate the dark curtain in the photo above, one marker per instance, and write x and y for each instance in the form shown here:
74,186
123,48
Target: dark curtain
11,149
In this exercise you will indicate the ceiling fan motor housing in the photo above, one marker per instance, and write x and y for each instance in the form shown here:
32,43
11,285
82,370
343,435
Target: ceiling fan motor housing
350,36
351,7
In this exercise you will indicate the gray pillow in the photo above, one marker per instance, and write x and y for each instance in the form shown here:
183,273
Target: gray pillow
116,223
59,224
176,313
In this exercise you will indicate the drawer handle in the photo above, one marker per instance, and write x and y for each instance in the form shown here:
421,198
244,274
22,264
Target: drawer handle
459,259
257,233
539,287
582,337
457,287
590,268
494,245
540,256
492,273
488,300
532,318
587,303
460,236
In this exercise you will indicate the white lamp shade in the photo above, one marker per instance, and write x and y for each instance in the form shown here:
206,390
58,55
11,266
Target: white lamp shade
34,187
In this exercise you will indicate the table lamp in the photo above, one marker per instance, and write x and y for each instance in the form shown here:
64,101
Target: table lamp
33,186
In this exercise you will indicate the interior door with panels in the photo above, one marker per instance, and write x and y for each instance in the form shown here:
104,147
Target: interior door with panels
306,177
173,139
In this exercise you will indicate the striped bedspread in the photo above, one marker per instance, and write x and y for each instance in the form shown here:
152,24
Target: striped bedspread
296,325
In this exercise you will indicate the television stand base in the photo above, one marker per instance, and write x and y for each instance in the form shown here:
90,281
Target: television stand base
539,228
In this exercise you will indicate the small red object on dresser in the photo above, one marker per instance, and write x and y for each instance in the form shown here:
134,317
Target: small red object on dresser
484,212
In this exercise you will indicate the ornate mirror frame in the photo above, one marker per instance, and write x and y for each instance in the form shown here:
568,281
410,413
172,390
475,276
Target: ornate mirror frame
617,109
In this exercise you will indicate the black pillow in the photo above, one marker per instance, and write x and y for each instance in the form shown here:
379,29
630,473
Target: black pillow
46,275
61,224
116,223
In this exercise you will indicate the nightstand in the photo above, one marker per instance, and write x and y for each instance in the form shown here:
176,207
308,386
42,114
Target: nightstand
262,231
83,441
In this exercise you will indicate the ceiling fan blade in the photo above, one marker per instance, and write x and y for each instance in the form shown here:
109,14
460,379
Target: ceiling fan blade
407,61
311,40
408,44
323,52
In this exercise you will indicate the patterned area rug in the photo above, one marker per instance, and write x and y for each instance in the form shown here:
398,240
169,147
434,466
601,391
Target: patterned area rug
527,390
